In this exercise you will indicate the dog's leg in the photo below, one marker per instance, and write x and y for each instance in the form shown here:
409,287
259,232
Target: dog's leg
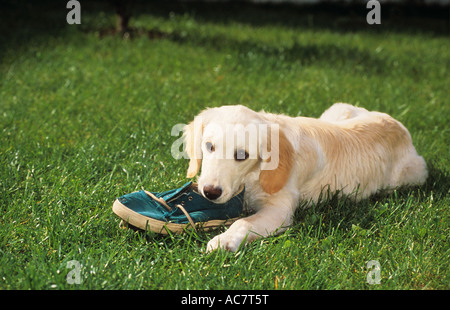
412,170
268,221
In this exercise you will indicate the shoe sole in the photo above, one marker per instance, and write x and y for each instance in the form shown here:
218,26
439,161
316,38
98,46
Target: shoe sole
149,224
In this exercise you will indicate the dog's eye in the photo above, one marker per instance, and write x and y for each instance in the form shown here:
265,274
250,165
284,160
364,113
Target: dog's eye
209,147
240,155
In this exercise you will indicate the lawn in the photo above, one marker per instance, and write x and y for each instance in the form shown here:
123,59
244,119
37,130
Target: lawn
86,118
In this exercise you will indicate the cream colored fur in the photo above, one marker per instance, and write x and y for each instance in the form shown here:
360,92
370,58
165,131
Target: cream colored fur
348,149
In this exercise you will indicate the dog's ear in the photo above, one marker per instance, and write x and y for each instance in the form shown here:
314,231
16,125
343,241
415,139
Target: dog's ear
275,174
193,136
193,133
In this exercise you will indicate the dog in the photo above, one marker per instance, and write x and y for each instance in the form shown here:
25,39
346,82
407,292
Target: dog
283,161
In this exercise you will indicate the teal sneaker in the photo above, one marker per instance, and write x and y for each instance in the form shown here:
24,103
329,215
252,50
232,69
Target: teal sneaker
177,209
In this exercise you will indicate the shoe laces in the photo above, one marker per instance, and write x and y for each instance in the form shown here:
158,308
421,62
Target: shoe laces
164,203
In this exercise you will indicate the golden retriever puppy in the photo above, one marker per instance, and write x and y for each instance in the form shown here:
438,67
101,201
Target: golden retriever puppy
283,161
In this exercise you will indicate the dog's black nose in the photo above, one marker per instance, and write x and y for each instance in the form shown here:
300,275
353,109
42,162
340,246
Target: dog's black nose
212,192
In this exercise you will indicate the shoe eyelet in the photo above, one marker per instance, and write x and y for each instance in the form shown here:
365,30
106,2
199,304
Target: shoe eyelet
190,198
182,203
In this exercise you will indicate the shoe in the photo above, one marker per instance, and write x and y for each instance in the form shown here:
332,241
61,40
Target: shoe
177,209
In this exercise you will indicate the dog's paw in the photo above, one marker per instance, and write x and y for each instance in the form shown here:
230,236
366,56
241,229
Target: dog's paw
224,241
238,233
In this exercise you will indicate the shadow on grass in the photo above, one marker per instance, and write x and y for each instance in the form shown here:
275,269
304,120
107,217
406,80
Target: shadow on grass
325,54
342,16
190,236
22,20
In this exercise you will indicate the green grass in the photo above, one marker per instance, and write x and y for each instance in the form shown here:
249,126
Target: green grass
84,120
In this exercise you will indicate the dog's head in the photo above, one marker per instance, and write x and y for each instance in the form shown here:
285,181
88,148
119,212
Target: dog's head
230,142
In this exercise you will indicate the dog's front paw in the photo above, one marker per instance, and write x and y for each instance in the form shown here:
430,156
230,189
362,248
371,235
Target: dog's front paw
239,232
223,241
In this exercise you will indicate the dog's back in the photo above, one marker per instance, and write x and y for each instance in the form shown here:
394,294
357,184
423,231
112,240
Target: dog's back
367,151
